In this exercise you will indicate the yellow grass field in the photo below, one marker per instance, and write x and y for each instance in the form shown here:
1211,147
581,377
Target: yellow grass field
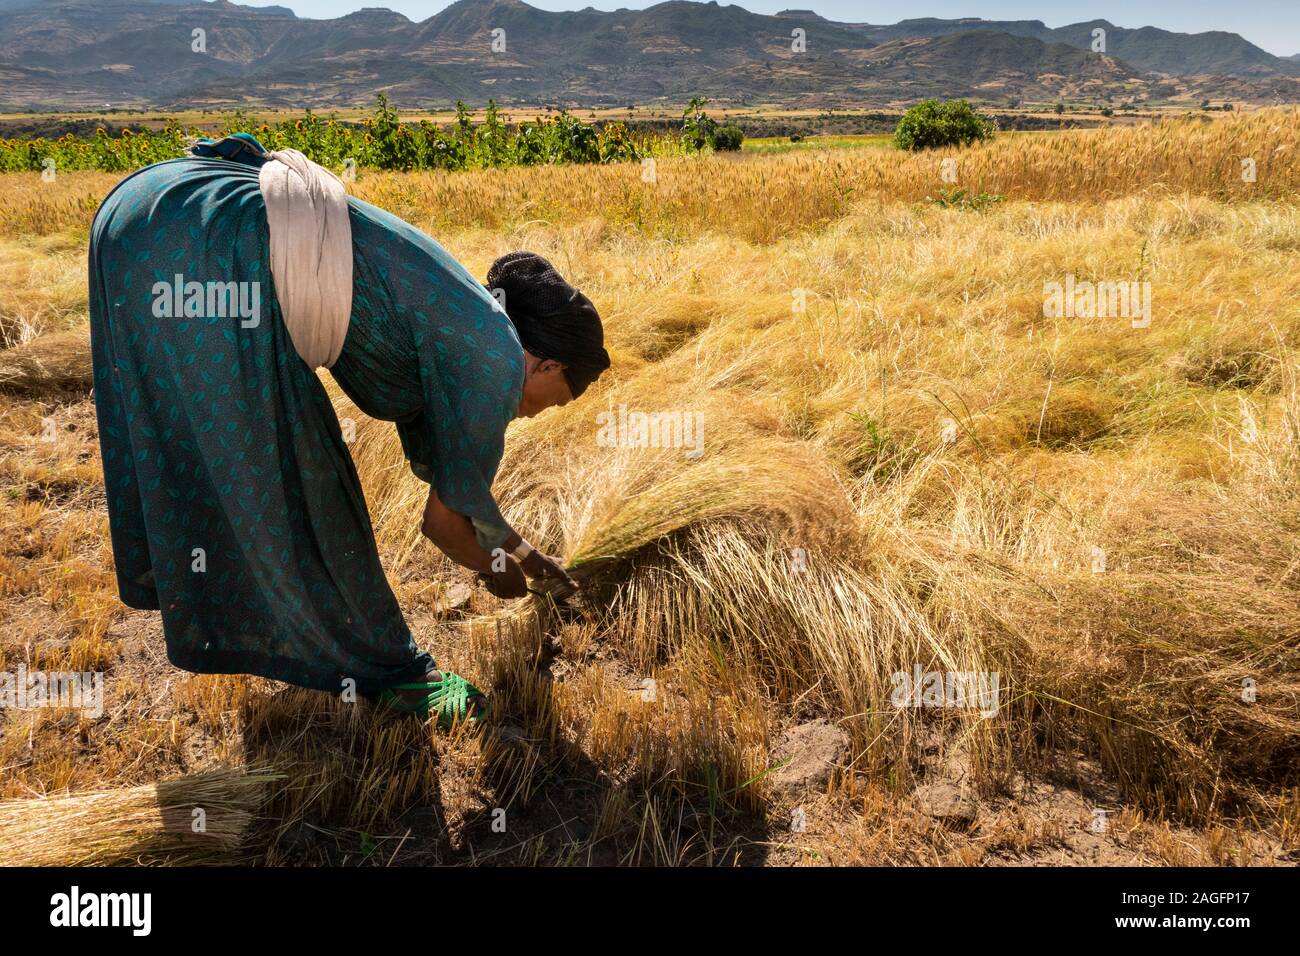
905,467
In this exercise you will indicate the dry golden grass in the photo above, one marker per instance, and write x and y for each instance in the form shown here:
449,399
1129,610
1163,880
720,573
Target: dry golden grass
53,365
947,459
974,554
44,287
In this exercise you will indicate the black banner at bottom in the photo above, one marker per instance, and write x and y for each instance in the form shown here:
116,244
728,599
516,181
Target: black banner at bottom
341,906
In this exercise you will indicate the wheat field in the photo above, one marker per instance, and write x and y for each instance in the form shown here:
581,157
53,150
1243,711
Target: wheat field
905,466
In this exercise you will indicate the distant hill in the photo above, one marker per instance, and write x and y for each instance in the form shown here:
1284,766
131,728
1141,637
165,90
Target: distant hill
1147,49
138,52
10,5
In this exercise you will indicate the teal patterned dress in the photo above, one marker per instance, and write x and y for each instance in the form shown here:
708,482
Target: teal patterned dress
233,503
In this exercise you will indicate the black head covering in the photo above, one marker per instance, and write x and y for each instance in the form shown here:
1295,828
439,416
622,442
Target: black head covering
554,320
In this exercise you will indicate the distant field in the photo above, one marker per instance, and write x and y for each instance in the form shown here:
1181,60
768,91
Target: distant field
757,118
783,144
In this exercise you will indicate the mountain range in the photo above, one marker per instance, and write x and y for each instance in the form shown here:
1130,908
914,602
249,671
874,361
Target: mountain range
68,53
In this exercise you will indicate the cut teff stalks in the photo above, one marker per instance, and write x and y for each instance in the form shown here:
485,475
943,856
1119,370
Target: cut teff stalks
195,819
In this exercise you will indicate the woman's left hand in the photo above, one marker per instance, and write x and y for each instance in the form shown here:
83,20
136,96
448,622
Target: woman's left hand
543,566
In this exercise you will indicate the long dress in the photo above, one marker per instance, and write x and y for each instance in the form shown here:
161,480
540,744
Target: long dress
234,506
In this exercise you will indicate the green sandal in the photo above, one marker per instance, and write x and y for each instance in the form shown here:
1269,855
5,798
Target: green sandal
449,698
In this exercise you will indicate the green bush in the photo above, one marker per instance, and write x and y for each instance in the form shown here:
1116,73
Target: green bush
700,131
931,124
728,138
698,128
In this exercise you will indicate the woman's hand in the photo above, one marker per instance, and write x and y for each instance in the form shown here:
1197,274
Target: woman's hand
546,567
453,533
507,583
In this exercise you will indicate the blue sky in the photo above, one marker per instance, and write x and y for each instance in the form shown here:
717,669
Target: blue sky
1271,24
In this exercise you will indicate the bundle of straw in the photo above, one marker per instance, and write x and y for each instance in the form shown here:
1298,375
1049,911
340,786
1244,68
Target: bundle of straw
48,367
195,819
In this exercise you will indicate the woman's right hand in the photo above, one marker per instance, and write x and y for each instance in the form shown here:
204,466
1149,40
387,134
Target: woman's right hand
547,568
508,583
